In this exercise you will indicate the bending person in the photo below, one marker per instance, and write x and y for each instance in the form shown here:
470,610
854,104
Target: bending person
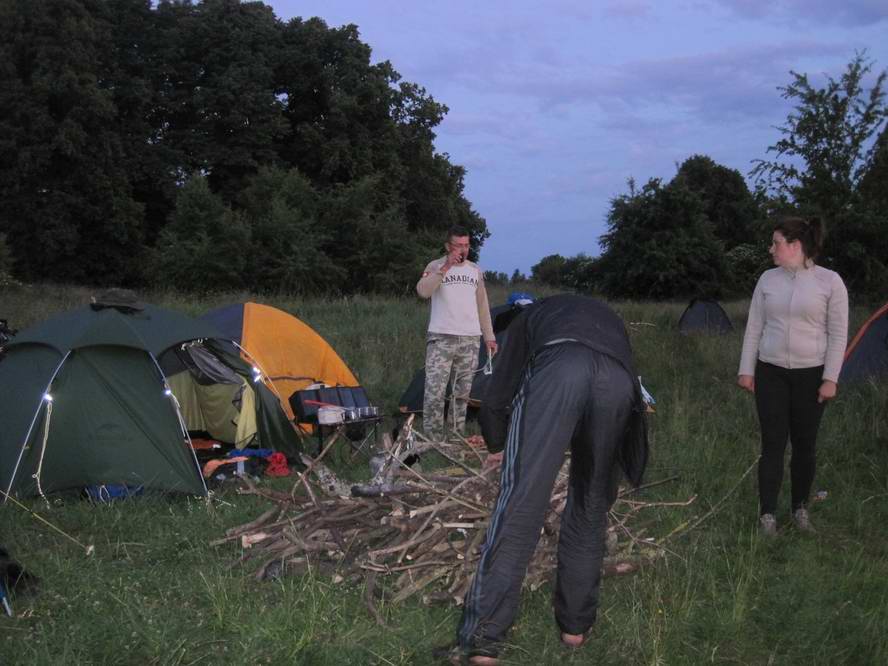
564,380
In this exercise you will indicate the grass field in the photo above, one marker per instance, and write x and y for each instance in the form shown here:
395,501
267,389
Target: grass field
155,592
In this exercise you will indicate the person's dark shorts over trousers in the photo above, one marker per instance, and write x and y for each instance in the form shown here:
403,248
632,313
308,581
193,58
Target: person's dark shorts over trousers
571,397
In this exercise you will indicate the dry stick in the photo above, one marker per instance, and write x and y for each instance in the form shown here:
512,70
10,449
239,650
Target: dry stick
246,527
420,584
407,544
470,447
645,505
313,462
687,526
369,588
393,453
236,532
384,568
272,495
384,490
437,447
467,558
629,491
449,493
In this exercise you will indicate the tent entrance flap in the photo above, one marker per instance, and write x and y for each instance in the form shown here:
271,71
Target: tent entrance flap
226,411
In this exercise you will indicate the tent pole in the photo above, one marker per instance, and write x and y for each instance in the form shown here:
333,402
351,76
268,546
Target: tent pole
34,421
184,428
256,365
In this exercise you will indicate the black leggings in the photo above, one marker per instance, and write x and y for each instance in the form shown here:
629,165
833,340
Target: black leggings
787,409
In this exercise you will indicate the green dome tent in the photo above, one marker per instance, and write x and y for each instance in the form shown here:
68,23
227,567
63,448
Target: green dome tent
84,401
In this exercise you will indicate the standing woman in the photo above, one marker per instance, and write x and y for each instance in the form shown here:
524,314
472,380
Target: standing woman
792,353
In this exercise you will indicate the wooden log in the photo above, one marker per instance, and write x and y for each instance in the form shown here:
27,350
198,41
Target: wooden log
384,490
420,583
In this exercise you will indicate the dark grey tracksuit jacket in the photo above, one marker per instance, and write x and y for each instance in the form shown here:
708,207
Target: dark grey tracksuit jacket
564,377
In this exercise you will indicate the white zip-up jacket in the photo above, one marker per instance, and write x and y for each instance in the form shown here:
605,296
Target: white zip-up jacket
797,319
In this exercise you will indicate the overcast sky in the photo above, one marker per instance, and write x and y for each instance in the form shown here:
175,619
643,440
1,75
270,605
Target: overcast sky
554,105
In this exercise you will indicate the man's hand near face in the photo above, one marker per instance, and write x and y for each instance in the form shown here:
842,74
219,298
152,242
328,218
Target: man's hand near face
457,251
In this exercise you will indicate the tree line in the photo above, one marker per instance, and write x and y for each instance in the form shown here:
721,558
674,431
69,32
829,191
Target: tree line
210,145
705,234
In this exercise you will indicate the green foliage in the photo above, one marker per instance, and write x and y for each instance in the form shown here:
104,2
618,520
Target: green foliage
206,245
517,278
549,270
287,252
827,163
874,183
829,132
495,278
669,241
6,262
744,265
727,202
577,273
65,195
660,245
581,273
107,107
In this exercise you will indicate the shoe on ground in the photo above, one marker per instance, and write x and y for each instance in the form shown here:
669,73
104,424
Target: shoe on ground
453,654
802,520
768,524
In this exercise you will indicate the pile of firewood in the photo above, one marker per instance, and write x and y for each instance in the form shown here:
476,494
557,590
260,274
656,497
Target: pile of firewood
417,533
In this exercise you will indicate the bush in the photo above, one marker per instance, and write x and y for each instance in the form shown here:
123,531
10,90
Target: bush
6,262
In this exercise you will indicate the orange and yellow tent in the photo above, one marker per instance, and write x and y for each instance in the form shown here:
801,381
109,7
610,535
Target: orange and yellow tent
288,351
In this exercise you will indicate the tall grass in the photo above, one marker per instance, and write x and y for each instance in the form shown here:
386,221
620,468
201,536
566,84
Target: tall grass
155,592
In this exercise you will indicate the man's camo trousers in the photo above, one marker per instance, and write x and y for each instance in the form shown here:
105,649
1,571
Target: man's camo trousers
448,357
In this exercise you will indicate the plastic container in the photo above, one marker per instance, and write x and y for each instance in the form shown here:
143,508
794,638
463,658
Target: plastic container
331,415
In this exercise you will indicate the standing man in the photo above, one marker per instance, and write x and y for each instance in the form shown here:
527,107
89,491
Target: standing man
565,380
460,313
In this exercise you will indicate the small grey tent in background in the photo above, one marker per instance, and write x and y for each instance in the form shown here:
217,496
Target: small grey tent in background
704,315
867,355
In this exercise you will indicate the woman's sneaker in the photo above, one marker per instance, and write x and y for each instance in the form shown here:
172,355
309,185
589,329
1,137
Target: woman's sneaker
768,524
802,520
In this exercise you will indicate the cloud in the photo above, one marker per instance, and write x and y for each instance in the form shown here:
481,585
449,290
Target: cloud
627,10
845,13
732,84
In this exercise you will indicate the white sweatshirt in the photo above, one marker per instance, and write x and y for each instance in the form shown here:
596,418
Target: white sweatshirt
797,319
459,299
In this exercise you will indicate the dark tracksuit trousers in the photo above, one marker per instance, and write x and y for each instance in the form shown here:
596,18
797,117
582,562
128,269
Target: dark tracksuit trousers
787,406
571,397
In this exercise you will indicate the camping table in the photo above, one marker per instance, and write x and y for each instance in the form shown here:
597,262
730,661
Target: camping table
369,428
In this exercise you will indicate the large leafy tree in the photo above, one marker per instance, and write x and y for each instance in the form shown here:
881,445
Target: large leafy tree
660,245
217,103
112,112
65,195
205,247
289,245
822,161
874,183
727,202
549,270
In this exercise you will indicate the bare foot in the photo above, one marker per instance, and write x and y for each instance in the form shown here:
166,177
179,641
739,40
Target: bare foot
572,640
479,660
